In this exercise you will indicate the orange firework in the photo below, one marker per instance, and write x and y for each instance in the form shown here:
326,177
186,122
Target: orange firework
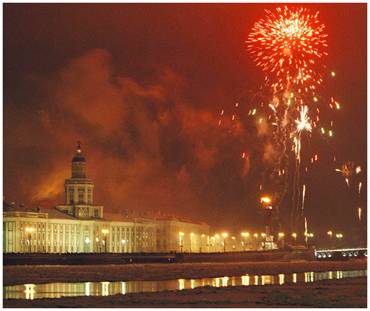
288,46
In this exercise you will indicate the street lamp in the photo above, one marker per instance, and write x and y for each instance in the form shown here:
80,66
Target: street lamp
308,236
29,231
213,243
105,233
225,235
266,205
217,236
201,241
191,240
87,242
244,235
233,245
294,236
123,241
181,240
281,236
339,236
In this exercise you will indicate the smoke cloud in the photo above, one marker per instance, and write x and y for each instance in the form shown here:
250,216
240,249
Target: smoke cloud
147,148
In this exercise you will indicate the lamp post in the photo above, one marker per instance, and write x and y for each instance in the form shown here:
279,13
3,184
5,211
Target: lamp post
105,233
29,231
294,236
97,244
244,235
281,236
201,241
255,243
330,235
86,246
191,240
233,242
225,235
181,240
267,207
263,236
308,236
339,236
217,236
213,243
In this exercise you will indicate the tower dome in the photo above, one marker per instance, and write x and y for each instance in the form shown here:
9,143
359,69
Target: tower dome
78,163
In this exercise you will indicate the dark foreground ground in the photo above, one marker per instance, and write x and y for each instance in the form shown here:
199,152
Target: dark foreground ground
89,273
329,294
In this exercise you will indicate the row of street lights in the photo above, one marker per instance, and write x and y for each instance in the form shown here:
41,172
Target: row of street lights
192,234
245,235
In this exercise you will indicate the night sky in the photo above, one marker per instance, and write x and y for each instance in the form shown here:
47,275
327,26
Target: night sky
142,86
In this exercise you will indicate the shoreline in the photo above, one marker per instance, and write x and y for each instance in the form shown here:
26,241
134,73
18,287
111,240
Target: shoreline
323,294
37,274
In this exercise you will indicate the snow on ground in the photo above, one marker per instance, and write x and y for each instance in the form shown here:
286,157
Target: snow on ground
329,294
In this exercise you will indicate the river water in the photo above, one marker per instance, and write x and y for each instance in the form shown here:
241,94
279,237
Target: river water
58,290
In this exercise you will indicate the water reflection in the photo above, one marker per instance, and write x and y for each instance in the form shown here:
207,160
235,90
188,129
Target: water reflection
181,284
245,280
294,277
281,279
309,277
30,291
87,288
339,274
57,290
192,284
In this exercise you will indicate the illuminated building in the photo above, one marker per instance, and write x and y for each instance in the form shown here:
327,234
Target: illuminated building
79,226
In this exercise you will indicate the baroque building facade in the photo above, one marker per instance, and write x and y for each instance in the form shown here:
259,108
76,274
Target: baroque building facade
79,226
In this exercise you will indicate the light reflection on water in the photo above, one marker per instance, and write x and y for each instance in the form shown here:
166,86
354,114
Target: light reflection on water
57,290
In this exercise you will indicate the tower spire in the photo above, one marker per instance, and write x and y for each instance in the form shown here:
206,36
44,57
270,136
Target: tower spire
78,163
78,146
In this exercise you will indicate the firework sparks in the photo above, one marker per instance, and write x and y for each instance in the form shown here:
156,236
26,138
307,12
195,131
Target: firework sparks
288,45
358,169
359,187
359,211
303,123
303,196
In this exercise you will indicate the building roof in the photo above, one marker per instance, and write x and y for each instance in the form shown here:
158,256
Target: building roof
179,219
51,213
55,214
119,217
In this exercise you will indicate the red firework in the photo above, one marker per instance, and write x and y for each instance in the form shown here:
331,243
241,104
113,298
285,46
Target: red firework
288,46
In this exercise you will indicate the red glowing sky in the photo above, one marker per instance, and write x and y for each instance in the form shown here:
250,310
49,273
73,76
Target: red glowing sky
141,86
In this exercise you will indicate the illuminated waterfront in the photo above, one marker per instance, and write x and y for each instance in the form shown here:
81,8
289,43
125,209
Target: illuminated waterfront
58,290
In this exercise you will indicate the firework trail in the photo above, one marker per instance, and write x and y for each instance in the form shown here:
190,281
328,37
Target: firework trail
353,177
289,45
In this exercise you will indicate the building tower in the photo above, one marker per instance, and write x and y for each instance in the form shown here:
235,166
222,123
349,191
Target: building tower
78,191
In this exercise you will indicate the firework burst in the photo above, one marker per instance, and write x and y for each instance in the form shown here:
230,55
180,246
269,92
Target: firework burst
288,46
